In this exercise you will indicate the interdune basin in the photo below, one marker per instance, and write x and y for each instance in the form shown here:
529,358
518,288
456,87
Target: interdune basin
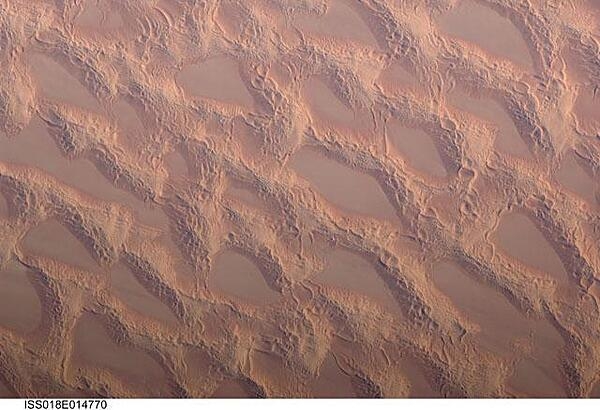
300,198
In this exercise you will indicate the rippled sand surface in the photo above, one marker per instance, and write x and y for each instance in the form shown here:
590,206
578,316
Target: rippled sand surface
285,198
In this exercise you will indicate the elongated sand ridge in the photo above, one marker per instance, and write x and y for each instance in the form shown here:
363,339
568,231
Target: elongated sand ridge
300,198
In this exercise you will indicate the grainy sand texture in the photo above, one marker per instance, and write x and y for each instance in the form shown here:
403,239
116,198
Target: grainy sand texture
300,198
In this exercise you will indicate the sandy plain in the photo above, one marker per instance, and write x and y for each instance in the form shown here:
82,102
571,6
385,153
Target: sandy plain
300,198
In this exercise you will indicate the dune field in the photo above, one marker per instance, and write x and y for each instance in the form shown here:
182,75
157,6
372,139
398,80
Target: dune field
300,198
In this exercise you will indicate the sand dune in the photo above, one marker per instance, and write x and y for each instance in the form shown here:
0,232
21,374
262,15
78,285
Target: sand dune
319,198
